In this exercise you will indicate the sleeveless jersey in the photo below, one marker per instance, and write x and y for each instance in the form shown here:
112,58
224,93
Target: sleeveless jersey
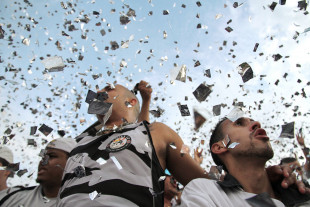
117,169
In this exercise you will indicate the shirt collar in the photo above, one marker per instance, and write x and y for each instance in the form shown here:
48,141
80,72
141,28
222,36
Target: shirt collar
289,196
229,182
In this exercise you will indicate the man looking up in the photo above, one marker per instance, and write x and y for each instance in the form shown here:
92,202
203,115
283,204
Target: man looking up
242,147
123,164
50,171
145,91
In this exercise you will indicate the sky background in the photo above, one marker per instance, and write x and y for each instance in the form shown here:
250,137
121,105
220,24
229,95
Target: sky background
155,45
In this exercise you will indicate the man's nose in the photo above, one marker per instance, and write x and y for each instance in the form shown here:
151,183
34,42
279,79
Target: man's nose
254,125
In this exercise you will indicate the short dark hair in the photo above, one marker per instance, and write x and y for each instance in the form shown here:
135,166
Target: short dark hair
217,135
287,160
4,162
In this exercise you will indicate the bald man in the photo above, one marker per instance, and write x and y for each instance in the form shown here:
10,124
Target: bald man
122,165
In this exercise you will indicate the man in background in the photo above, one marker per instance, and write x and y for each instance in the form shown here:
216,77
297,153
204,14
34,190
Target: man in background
6,158
50,171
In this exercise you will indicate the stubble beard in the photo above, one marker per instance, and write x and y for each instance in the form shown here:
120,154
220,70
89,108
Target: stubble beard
265,153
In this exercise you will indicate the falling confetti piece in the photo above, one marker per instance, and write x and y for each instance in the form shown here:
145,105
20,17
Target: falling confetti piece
172,145
233,145
53,64
245,71
184,110
235,113
185,149
288,130
93,195
202,92
161,178
118,165
101,161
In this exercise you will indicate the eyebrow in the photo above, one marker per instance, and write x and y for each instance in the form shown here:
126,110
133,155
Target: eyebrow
243,118
51,153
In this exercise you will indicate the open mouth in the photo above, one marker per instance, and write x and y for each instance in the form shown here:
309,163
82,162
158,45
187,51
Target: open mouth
261,133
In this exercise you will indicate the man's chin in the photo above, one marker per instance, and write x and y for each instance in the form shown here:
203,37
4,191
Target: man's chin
38,180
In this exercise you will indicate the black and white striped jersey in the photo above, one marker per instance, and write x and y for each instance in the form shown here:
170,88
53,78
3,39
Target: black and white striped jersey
116,169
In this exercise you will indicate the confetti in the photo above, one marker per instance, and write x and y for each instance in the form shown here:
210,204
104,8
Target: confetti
228,29
46,130
161,178
202,92
2,32
226,141
184,110
255,47
172,145
93,195
99,107
53,64
61,133
288,130
233,145
91,95
199,120
118,165
124,20
184,150
277,57
214,173
32,142
101,161
178,73
157,113
128,104
45,159
21,172
273,6
217,110
165,12
245,71
235,113
33,130
207,73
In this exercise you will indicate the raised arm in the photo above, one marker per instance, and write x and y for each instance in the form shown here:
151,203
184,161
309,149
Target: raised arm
301,141
146,92
168,145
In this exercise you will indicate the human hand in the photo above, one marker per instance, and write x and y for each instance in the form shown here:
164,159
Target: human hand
285,173
145,90
198,156
300,139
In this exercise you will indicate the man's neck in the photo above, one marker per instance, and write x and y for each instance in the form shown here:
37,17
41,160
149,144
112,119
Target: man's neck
50,191
252,176
3,186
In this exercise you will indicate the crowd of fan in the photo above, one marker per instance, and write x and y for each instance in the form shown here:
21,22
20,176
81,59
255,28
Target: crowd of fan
123,160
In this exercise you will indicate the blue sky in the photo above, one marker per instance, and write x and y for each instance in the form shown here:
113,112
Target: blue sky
150,57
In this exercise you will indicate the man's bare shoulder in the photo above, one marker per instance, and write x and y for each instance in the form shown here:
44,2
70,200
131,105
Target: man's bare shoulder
159,127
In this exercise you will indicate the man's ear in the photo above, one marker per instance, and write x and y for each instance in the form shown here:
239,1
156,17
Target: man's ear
218,148
133,101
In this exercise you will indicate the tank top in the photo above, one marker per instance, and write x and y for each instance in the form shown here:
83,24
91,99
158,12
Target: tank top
116,169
